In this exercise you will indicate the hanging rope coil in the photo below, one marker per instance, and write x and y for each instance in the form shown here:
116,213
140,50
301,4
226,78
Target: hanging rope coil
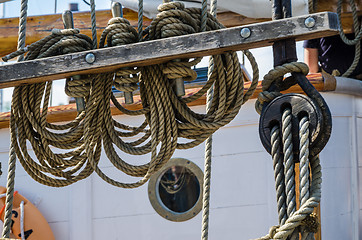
167,117
120,32
28,117
61,41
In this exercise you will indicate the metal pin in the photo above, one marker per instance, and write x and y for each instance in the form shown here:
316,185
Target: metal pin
309,22
68,22
67,17
117,11
245,32
179,86
90,58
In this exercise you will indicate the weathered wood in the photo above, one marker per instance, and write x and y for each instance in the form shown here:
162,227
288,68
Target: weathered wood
69,112
162,50
40,26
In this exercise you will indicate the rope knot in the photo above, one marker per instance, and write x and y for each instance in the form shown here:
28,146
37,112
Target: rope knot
311,223
118,20
173,20
78,86
118,32
174,70
126,80
276,76
279,71
65,32
170,6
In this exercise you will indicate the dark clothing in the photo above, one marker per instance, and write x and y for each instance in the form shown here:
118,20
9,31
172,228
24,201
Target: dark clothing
333,54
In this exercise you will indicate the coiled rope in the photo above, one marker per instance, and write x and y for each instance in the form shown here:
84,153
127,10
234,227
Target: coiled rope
167,117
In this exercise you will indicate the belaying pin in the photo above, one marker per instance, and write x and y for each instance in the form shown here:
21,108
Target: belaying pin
179,86
117,11
67,18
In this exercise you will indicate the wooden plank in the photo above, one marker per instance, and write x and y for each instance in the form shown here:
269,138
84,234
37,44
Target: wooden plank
69,112
39,27
162,50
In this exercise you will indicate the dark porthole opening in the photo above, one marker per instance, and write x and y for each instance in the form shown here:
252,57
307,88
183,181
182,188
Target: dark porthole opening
179,189
175,192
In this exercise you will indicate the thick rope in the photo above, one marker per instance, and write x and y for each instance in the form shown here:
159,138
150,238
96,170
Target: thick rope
10,184
28,119
279,174
310,194
289,164
167,117
304,168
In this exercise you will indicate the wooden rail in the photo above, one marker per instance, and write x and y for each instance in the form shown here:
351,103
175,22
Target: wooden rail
39,27
69,112
162,50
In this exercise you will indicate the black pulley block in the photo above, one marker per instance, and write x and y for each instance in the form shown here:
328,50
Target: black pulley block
300,106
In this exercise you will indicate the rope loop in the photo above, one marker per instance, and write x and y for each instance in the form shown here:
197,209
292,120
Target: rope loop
118,32
171,6
279,71
65,32
276,76
126,79
78,87
182,69
169,123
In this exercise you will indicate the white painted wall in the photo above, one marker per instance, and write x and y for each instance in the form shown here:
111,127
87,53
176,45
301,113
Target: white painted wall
243,201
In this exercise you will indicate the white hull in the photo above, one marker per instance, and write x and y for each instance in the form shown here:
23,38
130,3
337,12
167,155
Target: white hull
243,201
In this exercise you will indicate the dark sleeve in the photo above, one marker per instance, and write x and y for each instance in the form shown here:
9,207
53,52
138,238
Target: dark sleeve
313,43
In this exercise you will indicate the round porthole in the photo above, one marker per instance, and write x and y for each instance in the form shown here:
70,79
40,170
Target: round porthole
175,191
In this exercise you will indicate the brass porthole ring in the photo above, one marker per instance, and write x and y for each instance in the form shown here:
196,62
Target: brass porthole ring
175,191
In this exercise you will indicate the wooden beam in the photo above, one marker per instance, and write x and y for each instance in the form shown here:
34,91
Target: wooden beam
69,112
39,27
162,50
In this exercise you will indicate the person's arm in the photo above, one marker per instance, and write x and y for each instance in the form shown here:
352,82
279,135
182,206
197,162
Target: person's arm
311,59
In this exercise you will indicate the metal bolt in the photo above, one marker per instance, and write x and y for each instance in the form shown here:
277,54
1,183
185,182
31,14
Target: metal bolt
245,32
309,22
90,58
